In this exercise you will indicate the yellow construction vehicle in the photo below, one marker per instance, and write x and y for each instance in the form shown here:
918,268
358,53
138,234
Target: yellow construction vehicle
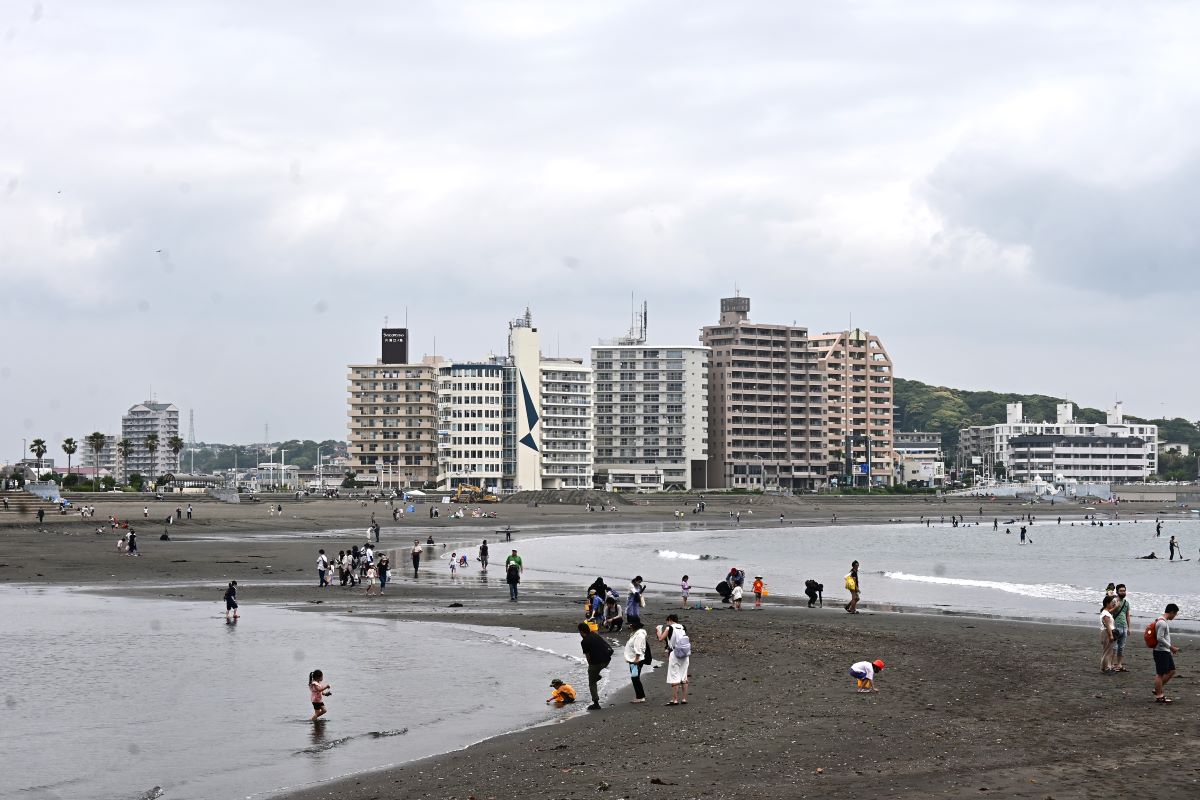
465,493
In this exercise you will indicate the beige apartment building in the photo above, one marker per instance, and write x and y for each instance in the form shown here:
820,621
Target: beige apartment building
393,423
766,404
858,406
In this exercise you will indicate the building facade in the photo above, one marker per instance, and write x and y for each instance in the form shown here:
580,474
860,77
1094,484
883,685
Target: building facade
549,405
919,458
858,406
651,412
393,424
766,404
988,448
138,423
471,419
106,463
1060,458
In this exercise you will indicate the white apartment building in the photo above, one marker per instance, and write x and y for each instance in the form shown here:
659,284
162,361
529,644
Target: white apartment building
138,423
392,432
470,403
548,403
987,446
1060,458
107,461
651,411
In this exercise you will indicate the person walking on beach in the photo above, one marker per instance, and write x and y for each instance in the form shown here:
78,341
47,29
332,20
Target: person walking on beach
483,556
1164,652
635,657
1106,635
416,556
372,578
318,691
512,576
736,597
133,551
758,586
1121,625
635,601
685,588
189,511
322,569
231,604
854,587
679,656
598,655
385,564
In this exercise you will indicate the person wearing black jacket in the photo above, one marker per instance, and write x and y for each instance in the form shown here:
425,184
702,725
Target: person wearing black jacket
598,655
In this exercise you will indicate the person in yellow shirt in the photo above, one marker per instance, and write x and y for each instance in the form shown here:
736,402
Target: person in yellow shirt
562,695
757,586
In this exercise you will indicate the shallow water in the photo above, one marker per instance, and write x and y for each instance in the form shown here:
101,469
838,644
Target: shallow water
109,697
1060,576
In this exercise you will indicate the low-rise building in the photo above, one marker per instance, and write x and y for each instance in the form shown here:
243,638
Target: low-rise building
989,447
919,458
1062,458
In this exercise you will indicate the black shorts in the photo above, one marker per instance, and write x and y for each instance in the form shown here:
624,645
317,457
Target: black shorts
1164,662
318,706
230,605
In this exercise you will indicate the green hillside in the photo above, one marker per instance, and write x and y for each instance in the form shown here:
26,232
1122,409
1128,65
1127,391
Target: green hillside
921,407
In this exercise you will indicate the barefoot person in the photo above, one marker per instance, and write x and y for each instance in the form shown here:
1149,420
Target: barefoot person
563,694
1164,652
416,556
231,604
635,658
854,587
1121,624
318,691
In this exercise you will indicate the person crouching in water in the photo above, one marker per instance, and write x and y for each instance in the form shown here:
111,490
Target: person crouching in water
562,695
864,672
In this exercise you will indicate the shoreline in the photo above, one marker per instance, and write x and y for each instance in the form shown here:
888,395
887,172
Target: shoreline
1014,706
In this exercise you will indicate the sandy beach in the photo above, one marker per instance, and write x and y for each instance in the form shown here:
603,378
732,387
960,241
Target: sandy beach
967,706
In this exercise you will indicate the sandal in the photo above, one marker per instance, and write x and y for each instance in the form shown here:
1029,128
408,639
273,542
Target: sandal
672,703
1163,700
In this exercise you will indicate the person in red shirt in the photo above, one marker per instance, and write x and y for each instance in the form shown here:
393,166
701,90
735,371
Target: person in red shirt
757,586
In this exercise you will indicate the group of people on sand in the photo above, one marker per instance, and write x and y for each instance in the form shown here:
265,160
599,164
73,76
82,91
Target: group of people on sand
1116,621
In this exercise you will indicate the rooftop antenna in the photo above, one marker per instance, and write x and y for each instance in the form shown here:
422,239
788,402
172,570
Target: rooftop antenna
385,320
406,316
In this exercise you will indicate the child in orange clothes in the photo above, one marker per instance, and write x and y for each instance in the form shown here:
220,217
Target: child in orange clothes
757,586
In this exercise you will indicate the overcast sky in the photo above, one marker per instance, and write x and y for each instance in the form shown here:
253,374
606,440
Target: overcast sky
223,200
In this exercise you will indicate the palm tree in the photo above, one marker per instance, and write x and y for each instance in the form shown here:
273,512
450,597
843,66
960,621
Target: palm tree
125,448
69,446
176,444
152,449
38,448
96,441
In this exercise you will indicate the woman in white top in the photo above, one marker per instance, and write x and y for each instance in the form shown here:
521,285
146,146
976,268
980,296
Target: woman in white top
635,657
679,656
1107,636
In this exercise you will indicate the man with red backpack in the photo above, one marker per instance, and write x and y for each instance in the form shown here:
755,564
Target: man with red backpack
1158,636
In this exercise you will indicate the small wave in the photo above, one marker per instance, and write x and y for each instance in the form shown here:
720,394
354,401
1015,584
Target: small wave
680,556
1050,591
383,734
527,646
321,748
151,794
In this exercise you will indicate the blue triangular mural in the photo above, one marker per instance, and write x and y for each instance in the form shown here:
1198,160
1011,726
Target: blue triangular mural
531,416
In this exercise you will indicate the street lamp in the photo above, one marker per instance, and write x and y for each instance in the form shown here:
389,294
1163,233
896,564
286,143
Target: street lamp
282,455
320,477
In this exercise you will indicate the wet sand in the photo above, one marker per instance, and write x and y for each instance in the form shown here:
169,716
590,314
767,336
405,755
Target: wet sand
967,706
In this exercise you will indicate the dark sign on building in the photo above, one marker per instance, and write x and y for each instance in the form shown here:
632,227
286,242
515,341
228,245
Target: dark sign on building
395,345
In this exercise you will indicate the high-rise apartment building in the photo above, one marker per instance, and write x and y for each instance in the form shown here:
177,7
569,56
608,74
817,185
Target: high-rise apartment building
107,461
858,406
471,421
549,405
393,419
651,412
766,404
137,424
